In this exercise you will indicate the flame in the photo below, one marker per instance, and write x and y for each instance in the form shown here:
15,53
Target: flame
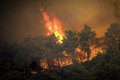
94,52
53,26
67,59
44,64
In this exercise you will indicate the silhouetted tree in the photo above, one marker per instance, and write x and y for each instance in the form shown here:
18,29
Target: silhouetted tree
112,37
87,39
70,42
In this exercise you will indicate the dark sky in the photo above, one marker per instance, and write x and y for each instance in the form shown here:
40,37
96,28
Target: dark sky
20,18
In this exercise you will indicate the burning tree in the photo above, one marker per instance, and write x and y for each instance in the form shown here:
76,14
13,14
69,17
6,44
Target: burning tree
61,48
86,40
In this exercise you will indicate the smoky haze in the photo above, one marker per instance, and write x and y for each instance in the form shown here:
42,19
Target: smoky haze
21,18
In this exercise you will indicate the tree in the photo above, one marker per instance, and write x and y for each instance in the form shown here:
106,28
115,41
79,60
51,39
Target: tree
112,37
87,39
54,50
27,48
70,42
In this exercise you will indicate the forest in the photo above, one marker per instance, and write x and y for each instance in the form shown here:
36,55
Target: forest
81,56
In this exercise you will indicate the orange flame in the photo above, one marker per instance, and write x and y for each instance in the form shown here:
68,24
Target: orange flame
94,53
53,26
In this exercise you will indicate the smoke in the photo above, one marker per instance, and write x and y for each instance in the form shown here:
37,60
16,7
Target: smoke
20,18
98,14
116,6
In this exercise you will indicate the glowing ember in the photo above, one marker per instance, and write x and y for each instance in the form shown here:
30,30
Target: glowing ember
33,72
65,62
53,26
44,64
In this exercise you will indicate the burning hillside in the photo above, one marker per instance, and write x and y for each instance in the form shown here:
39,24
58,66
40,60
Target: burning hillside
47,52
54,26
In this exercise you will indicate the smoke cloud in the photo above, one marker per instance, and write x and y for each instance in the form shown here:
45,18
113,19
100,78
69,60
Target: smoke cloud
20,18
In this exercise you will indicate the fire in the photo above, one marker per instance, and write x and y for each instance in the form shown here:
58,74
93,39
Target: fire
53,26
94,53
44,64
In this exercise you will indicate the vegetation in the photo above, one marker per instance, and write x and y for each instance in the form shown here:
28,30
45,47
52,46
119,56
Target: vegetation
34,58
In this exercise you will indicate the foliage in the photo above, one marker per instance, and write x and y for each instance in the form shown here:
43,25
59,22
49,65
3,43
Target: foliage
22,61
